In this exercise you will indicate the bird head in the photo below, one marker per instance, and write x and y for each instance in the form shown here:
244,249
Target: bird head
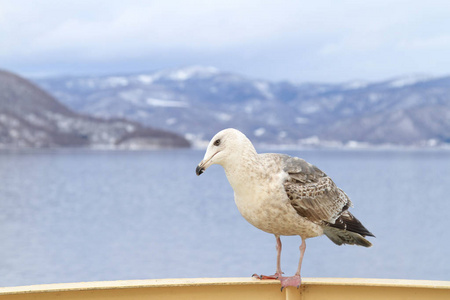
224,148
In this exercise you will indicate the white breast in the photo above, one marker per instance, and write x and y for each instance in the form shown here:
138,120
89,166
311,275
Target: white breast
269,210
261,198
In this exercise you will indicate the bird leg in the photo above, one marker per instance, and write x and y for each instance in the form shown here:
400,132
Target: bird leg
278,272
296,279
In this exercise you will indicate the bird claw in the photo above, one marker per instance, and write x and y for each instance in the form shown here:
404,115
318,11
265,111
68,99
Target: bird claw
267,277
290,281
285,281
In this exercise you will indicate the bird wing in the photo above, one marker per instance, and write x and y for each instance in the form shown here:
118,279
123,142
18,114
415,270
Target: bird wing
312,193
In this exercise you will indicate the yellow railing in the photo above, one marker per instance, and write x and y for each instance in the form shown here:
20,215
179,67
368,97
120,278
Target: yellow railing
234,289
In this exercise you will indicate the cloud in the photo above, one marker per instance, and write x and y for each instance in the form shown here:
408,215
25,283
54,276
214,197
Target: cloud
160,24
427,43
279,39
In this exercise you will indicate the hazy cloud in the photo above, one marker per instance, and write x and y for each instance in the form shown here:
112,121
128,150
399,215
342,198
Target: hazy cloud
297,40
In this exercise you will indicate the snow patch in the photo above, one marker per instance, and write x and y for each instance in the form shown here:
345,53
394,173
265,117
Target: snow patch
132,96
312,140
165,103
282,134
116,81
373,97
224,117
263,88
354,85
146,79
310,108
357,145
197,140
408,80
190,72
171,121
432,143
301,120
260,131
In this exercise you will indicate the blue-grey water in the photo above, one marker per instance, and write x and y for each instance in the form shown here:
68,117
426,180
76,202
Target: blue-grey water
78,215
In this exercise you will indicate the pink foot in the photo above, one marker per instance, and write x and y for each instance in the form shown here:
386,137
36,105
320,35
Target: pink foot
265,277
290,281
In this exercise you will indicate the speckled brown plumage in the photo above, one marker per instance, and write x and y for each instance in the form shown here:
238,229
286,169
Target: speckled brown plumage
317,198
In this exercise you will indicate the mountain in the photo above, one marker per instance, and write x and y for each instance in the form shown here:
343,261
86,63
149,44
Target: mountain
31,118
198,101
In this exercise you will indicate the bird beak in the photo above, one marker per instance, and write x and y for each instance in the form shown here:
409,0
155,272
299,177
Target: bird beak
205,163
199,170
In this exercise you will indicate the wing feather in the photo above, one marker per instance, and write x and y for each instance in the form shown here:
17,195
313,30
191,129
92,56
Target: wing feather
312,193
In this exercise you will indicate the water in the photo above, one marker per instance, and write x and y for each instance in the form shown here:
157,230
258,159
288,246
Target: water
74,215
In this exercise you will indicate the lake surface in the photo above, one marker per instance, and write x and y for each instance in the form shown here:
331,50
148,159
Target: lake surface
79,215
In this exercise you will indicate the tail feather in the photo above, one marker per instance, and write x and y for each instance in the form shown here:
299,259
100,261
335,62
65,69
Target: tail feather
347,230
339,237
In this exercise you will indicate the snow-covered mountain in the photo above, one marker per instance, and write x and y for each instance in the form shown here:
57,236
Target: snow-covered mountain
31,118
199,101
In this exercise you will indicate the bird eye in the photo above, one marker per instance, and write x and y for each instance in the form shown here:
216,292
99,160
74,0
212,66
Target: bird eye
217,142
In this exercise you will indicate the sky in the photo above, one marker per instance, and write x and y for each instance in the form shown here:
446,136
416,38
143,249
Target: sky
299,41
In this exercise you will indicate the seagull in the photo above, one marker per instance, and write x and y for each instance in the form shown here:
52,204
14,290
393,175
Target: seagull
284,196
